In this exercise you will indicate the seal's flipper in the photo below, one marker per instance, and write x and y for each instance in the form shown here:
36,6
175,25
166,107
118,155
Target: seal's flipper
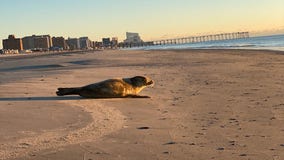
68,91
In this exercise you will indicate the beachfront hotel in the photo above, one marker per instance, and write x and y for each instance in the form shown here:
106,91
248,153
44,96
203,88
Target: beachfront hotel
85,43
114,42
106,42
132,38
37,42
73,43
59,42
13,43
46,43
110,42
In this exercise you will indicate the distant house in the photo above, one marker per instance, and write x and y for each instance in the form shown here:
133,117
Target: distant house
13,43
98,45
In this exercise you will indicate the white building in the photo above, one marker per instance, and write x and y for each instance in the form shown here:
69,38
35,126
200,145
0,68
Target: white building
85,43
73,43
133,38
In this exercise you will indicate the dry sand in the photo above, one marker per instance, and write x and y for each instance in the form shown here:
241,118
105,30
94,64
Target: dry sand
206,104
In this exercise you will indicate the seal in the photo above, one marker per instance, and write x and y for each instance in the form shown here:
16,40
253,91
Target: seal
111,88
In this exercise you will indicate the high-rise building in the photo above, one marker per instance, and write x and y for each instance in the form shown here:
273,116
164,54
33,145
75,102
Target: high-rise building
114,42
85,43
73,43
28,43
133,38
93,44
13,43
59,42
42,42
106,42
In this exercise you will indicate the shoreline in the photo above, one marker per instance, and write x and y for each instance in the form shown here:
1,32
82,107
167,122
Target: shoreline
222,104
32,55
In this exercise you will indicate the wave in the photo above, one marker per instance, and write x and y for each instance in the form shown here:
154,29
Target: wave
227,46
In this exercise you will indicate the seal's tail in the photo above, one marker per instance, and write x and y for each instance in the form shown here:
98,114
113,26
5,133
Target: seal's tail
67,91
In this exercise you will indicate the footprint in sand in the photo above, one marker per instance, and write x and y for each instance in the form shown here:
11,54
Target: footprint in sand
278,111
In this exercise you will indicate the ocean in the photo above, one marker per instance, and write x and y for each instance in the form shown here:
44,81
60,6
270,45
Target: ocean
274,42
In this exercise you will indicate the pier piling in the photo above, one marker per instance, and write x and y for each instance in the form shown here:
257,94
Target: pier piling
194,39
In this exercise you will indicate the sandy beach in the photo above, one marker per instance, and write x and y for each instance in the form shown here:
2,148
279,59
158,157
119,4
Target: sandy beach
206,104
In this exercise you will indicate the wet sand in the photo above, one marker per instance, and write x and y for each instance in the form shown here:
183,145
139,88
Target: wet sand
206,104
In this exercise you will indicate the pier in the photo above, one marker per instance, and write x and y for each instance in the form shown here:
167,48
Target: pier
192,39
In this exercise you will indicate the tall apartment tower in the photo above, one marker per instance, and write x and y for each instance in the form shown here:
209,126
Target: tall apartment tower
114,42
106,42
85,43
59,42
13,43
73,43
37,42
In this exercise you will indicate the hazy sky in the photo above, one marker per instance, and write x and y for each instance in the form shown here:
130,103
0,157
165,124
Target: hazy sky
153,19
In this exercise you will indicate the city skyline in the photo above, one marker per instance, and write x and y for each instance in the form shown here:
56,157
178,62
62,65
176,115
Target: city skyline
152,19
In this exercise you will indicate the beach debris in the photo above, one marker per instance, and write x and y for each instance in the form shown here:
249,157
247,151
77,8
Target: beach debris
24,144
169,143
272,149
272,118
143,128
232,143
243,155
221,148
32,154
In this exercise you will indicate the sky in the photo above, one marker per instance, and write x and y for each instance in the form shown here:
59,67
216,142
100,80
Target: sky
152,19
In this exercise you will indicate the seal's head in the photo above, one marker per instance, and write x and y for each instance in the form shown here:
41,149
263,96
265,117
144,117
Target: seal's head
141,81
